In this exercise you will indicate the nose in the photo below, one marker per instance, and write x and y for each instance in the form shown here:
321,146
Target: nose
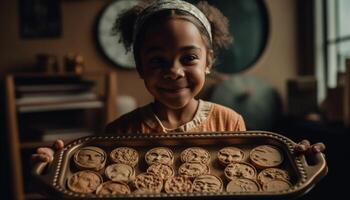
174,71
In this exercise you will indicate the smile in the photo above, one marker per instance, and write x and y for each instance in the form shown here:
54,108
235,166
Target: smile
173,90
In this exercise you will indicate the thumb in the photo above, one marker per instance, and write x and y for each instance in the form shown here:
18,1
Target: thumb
58,144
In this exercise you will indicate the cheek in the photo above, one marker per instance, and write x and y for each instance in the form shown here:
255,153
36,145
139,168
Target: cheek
197,76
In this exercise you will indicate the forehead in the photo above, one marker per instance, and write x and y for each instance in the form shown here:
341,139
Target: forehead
173,33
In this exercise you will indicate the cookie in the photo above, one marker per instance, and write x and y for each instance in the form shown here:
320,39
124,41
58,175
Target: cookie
84,181
242,185
240,170
120,172
228,155
148,183
178,184
207,183
90,158
192,170
160,155
195,154
270,174
266,156
164,171
125,155
113,188
276,185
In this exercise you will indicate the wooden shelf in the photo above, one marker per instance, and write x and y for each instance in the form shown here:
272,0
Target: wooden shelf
20,115
60,106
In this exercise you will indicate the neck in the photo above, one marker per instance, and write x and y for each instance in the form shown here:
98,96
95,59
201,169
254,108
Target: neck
173,118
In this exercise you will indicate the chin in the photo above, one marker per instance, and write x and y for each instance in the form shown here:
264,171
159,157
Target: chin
175,104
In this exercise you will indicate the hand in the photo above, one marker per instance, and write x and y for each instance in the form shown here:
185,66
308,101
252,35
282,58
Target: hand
44,154
304,147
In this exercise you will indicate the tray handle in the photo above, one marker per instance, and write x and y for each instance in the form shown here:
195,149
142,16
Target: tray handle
318,169
42,178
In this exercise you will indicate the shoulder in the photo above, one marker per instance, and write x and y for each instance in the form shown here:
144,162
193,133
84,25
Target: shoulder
228,117
124,123
221,110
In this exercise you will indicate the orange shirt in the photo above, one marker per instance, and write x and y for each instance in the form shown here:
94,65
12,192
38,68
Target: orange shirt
210,117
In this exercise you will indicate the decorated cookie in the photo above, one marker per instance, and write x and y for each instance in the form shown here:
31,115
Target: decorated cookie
90,158
178,184
125,155
192,170
120,172
162,170
160,155
195,154
266,156
242,185
240,170
112,188
84,181
228,155
270,174
207,183
276,185
148,183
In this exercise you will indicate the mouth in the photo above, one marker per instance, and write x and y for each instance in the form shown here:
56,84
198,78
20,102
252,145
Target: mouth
173,90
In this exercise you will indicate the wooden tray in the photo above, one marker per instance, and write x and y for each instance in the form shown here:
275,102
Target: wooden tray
303,176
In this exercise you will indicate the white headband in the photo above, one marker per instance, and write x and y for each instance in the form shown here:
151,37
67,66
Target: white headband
160,5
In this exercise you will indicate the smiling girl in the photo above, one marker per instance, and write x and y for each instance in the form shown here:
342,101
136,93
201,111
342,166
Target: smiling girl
174,45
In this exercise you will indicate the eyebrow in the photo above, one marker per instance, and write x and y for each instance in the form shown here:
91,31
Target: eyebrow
185,48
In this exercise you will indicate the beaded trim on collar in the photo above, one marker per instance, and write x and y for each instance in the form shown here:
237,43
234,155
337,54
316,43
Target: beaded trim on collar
154,122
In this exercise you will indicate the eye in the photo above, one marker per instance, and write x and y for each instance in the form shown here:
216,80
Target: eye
189,59
157,62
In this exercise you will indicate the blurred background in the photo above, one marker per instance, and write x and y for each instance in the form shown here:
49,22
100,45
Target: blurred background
64,75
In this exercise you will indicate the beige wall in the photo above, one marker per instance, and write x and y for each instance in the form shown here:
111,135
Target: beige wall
277,64
280,59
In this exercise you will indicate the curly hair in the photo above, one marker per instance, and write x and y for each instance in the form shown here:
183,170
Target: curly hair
125,22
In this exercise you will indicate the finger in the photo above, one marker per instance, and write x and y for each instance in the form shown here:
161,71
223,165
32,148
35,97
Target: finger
45,151
318,147
58,144
40,158
300,148
306,143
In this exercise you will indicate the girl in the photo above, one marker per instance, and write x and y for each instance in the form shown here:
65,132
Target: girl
174,45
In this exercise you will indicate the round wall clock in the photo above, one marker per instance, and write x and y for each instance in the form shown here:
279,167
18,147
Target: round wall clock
108,43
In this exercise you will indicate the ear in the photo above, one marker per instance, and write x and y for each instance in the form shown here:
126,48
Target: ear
210,61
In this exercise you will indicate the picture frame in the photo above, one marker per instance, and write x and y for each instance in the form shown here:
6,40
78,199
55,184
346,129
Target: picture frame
40,18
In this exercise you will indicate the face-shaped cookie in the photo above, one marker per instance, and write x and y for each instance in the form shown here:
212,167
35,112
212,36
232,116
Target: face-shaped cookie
112,188
84,181
266,156
160,155
178,184
120,172
195,154
271,174
242,185
207,183
192,170
125,155
162,170
148,183
228,155
90,157
240,170
276,185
